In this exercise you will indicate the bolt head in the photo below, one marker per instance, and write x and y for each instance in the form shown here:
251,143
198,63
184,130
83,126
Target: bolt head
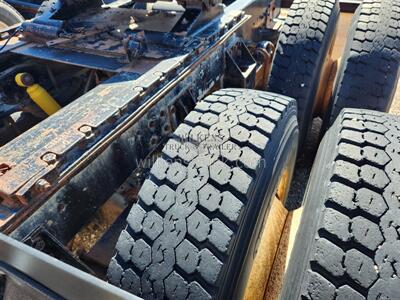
153,140
138,89
39,244
42,185
50,158
167,128
152,123
86,130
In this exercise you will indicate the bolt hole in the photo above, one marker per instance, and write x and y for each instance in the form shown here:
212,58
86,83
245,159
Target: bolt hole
60,207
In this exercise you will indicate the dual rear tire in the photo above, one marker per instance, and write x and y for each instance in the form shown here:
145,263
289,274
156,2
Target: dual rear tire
201,213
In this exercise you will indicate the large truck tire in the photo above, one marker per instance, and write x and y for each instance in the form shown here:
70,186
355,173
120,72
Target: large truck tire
303,46
369,71
194,230
8,15
348,244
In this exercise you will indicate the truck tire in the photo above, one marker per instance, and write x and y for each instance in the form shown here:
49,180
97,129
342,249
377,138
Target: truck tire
199,215
8,15
303,45
370,66
347,246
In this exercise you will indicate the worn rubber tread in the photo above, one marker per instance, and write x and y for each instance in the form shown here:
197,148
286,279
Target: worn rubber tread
348,242
189,235
371,63
302,47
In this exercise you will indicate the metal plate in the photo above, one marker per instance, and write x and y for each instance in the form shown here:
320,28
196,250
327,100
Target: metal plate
71,57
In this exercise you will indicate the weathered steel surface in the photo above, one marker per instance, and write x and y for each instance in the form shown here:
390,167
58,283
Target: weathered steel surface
70,57
86,131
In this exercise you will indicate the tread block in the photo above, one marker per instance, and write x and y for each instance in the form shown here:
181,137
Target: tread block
209,266
199,226
360,268
330,257
141,254
220,235
130,282
345,292
318,287
371,202
366,233
337,224
187,256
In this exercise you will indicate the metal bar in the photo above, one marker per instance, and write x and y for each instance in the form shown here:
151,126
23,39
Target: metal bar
60,278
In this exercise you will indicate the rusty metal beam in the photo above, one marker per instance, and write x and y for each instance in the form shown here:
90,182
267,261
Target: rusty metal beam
88,131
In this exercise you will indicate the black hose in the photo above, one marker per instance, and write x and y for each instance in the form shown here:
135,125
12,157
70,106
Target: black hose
10,37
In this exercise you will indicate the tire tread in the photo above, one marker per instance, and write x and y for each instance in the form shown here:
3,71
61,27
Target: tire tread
353,249
371,63
191,206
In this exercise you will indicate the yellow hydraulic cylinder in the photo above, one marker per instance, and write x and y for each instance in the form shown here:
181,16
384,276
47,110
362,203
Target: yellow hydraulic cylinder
37,93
